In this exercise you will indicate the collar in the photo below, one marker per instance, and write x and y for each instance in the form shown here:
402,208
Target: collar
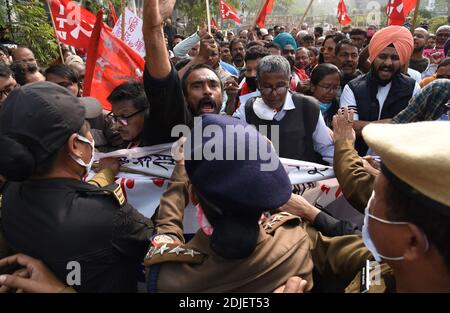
264,112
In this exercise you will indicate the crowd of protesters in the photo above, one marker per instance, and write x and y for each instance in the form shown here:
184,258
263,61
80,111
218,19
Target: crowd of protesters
372,103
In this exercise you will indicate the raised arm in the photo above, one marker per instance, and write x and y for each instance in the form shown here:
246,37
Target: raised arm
157,56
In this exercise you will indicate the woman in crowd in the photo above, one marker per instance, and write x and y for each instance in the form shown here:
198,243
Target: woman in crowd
325,85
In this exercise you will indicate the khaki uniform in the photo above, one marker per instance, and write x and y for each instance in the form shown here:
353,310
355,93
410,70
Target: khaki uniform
281,253
356,183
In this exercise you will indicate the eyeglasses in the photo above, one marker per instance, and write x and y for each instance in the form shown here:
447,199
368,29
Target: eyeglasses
330,88
122,119
327,49
268,91
5,92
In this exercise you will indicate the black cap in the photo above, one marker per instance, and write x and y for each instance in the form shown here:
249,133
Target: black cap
40,117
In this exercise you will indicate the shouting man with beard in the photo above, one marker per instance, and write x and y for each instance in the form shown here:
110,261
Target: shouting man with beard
173,101
384,91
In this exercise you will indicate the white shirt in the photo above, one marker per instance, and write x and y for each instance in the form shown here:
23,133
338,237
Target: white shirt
348,98
322,141
415,75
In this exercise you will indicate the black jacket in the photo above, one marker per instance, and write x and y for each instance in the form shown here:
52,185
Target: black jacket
365,89
64,220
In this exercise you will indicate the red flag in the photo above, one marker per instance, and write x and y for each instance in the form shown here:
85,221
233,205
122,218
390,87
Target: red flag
343,18
214,23
266,10
110,62
408,6
73,23
227,12
112,13
397,10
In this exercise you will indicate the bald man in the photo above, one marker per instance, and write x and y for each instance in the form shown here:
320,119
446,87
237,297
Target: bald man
417,61
384,91
23,54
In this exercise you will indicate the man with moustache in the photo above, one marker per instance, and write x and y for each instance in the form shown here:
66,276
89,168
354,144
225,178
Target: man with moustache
417,61
347,60
173,101
237,49
303,134
384,91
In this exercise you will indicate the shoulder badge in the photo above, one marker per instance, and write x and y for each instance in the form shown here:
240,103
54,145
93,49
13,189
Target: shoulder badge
276,220
172,252
118,194
115,190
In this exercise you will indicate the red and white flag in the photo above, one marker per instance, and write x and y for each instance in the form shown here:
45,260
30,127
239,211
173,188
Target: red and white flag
110,62
73,23
397,10
343,18
266,10
227,12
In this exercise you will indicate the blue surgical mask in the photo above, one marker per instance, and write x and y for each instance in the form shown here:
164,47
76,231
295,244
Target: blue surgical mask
324,107
366,235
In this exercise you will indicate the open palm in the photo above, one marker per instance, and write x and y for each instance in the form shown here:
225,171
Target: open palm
156,11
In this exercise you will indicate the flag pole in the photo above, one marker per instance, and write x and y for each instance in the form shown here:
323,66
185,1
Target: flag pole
259,12
208,16
416,13
56,33
306,12
122,34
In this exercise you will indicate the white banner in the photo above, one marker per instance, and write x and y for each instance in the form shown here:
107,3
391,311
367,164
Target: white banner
133,31
147,170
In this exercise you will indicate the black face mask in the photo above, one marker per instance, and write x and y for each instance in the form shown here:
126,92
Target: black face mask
251,83
291,60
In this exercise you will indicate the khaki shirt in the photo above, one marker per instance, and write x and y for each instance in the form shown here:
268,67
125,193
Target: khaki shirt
280,254
282,251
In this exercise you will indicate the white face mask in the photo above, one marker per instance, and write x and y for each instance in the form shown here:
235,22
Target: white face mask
87,166
366,235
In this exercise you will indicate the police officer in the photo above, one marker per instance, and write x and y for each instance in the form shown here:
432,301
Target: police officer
48,211
232,252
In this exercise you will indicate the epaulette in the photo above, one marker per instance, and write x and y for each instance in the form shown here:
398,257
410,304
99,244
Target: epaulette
277,220
111,189
172,252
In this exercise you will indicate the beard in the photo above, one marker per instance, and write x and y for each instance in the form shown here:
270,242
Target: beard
205,105
238,58
291,60
384,82
419,49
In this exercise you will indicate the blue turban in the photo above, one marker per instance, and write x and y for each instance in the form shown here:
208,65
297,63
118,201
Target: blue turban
284,39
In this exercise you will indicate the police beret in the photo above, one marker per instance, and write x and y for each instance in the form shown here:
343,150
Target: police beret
234,181
418,154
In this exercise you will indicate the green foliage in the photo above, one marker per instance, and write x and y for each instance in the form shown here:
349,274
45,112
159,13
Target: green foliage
436,22
195,11
425,14
30,27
